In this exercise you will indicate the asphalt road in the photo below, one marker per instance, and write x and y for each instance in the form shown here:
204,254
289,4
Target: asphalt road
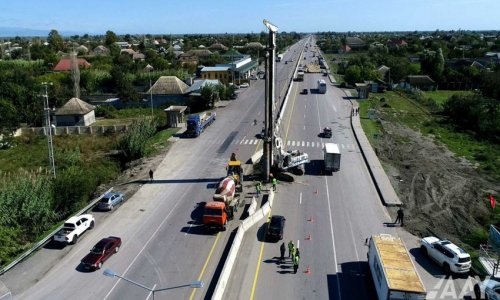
164,244
328,217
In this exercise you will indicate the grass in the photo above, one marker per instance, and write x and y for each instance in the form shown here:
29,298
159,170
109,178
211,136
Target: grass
440,97
398,108
159,141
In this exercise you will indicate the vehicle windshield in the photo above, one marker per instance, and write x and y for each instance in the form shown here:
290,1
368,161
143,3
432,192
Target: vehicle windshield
104,200
69,225
191,125
463,259
275,223
97,250
213,212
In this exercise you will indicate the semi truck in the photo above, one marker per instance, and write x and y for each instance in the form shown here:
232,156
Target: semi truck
331,157
392,269
197,123
226,198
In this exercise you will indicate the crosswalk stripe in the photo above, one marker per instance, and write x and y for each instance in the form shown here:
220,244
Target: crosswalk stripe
255,142
246,141
288,143
307,144
241,142
303,143
293,143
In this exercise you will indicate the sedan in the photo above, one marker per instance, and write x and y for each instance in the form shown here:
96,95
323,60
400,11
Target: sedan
101,252
488,289
276,227
110,200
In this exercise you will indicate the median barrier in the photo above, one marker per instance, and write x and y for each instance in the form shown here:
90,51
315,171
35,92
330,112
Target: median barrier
42,242
253,206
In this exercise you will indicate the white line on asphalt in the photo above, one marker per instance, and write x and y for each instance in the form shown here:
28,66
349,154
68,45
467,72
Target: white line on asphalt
303,143
150,293
307,144
304,127
293,143
242,139
334,108
298,244
190,226
300,198
304,116
145,245
288,143
333,240
246,142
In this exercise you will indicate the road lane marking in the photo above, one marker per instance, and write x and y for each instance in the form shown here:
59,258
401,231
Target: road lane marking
303,143
256,276
300,198
189,229
307,144
333,240
304,127
206,264
298,244
246,142
151,292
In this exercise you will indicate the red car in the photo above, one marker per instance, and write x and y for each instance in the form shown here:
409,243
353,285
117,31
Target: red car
101,252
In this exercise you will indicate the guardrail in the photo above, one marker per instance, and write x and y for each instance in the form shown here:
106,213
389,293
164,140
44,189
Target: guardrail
42,242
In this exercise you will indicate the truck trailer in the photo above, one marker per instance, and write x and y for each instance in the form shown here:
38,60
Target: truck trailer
392,269
331,157
196,123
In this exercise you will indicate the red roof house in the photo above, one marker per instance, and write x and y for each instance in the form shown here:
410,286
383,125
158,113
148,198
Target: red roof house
65,64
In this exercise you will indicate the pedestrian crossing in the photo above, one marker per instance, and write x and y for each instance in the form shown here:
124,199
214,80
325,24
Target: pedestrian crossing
290,144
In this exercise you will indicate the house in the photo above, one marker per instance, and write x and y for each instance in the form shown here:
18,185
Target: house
241,68
354,42
138,56
233,55
123,45
363,90
75,112
422,82
345,49
82,49
254,45
195,88
167,89
100,51
128,51
218,47
193,56
396,43
64,64
383,70
221,73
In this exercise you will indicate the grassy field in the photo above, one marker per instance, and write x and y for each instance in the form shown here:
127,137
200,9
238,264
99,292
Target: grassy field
440,97
399,108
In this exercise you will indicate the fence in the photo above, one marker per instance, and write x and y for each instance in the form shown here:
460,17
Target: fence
72,130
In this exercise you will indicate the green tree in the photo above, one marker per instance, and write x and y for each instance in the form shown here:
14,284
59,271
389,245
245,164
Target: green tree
55,41
9,120
110,38
353,74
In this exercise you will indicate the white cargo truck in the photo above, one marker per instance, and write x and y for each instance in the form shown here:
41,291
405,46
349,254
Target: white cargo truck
331,157
392,269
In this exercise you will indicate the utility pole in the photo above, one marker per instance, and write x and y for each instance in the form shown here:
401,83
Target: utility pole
48,129
269,101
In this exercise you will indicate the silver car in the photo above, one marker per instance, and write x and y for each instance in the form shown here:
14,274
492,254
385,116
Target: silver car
488,289
110,200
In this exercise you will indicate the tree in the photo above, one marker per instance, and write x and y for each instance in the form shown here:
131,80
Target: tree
111,38
353,74
55,41
9,120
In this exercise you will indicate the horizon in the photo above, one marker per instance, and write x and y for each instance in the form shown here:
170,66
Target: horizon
216,18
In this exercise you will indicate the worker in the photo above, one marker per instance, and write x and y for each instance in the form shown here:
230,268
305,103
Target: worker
296,260
294,252
258,188
274,181
297,252
290,248
282,252
399,218
150,175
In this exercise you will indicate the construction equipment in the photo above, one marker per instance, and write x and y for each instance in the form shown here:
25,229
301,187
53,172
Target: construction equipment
291,160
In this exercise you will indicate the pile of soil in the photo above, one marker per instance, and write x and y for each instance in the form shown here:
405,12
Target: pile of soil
442,194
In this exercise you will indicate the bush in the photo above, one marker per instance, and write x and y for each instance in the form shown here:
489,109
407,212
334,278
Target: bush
108,112
72,188
133,143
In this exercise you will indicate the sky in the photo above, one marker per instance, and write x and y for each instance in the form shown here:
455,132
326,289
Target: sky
225,16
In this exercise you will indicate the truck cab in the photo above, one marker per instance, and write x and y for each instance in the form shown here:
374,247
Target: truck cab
215,215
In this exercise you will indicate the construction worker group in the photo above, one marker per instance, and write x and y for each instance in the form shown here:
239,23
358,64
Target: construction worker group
293,253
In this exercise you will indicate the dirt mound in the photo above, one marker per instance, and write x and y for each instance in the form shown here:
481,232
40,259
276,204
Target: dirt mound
442,194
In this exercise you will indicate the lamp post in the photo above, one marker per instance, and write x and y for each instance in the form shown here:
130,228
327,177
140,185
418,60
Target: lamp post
48,129
151,93
195,284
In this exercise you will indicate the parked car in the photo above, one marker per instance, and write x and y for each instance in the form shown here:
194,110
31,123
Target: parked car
73,228
233,96
327,132
488,289
253,77
448,255
110,200
101,252
244,85
305,91
276,227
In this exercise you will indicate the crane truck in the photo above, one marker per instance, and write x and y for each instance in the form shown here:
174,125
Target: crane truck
196,123
226,198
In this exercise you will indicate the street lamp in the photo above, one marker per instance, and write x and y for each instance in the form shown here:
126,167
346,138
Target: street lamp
151,93
49,127
195,284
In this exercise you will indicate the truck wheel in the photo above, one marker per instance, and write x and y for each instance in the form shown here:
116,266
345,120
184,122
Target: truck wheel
75,240
91,225
424,250
99,265
117,249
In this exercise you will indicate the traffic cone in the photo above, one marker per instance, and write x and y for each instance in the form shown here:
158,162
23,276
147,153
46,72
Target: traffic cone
309,238
308,271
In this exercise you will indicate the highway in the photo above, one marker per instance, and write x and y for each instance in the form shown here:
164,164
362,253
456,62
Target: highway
164,245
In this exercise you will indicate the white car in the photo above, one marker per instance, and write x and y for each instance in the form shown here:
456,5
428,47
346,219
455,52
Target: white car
488,289
244,85
73,228
448,255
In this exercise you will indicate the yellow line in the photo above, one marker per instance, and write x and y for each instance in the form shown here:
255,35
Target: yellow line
260,259
205,265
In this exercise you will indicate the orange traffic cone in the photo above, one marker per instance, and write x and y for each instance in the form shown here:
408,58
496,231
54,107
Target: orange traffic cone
309,238
308,271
